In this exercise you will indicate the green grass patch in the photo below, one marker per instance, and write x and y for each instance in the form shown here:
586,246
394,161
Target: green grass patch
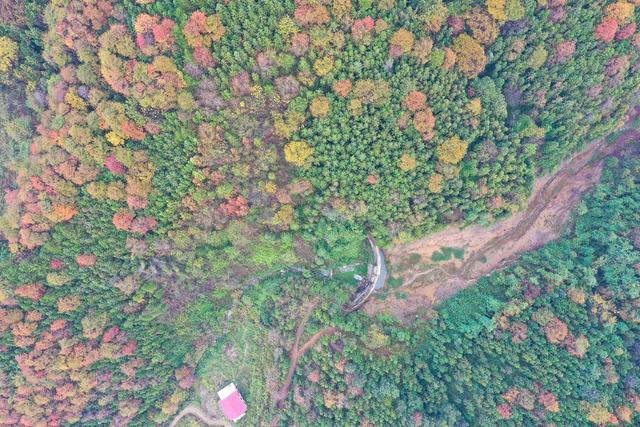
415,258
204,314
402,295
347,276
445,254
394,282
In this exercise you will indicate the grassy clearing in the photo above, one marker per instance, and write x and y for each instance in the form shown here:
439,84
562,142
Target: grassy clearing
205,313
347,276
244,356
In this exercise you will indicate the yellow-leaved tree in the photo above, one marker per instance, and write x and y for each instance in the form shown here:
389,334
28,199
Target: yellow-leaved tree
407,162
320,106
452,150
8,53
403,39
505,10
470,55
435,183
297,152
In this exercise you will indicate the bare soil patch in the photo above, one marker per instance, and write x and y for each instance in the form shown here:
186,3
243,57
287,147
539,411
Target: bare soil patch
201,415
487,249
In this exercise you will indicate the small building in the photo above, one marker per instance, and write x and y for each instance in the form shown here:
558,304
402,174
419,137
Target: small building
231,402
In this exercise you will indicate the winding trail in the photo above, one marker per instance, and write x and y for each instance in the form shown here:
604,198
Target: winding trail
197,412
487,249
297,352
284,390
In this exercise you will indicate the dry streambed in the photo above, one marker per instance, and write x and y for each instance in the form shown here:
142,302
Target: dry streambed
486,249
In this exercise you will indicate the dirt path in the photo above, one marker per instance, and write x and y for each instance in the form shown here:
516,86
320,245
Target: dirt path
296,355
197,412
487,249
297,352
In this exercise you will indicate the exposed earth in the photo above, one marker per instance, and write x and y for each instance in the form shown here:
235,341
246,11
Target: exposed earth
489,248
201,415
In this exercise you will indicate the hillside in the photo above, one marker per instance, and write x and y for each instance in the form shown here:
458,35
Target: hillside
184,181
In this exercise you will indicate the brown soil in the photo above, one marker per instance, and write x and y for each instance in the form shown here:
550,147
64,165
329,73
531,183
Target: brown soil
487,249
297,352
200,414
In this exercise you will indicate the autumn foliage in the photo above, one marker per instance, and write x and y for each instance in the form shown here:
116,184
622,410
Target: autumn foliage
30,291
297,152
202,30
156,84
424,121
452,151
153,34
606,30
158,156
86,260
126,221
342,87
8,54
401,42
362,28
56,376
415,101
309,13
471,58
235,207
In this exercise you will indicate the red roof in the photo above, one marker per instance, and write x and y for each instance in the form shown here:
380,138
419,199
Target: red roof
232,403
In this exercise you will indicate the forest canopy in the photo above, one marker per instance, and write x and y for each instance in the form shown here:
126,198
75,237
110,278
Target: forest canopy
169,167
